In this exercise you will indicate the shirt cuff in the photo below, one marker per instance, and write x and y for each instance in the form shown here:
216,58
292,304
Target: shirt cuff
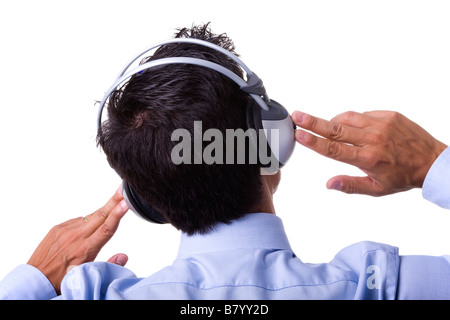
26,282
436,187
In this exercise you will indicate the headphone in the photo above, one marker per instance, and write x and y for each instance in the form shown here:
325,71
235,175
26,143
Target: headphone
261,113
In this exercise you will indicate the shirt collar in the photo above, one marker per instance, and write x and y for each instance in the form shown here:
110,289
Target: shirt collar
254,230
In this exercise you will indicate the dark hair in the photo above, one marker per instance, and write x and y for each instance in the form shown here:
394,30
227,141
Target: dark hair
142,116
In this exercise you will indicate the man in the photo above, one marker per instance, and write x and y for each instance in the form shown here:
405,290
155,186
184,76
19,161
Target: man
233,246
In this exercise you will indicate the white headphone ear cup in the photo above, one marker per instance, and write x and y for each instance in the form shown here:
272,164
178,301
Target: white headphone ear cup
280,132
281,121
281,138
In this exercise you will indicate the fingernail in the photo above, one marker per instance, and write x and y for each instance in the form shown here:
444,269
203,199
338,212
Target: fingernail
300,135
123,204
299,117
336,185
121,260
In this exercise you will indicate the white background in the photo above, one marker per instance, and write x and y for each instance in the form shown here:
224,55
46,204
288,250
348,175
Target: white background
322,57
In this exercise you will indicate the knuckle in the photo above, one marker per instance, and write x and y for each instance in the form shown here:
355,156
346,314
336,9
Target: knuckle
348,116
58,230
369,159
55,229
312,122
334,149
345,117
313,140
102,214
336,131
377,138
106,230
309,140
352,188
393,117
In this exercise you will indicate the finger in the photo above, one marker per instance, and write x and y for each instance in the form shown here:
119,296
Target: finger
329,129
107,229
329,148
354,119
99,216
120,259
72,223
355,185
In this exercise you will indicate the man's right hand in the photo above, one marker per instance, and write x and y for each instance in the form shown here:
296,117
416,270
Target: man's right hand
394,152
79,240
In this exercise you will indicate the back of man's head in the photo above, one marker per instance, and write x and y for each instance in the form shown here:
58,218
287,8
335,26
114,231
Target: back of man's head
143,114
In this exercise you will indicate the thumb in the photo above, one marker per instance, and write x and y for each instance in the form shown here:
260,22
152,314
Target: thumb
120,259
355,185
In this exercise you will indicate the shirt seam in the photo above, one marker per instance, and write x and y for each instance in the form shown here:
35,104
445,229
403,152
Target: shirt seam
247,285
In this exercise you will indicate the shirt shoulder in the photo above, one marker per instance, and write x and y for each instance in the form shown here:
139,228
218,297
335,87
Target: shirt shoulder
375,265
365,270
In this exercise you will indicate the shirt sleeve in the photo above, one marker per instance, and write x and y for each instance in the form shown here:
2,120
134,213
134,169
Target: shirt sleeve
424,277
26,282
96,281
375,269
436,187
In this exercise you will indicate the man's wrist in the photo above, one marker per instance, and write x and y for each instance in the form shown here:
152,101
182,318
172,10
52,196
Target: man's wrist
436,186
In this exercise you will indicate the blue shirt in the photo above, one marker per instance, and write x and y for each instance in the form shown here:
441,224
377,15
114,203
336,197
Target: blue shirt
251,259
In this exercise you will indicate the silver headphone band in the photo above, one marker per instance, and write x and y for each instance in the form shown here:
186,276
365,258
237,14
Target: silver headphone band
190,41
177,60
253,81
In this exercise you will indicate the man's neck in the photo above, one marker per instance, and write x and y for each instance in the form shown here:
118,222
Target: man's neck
266,203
